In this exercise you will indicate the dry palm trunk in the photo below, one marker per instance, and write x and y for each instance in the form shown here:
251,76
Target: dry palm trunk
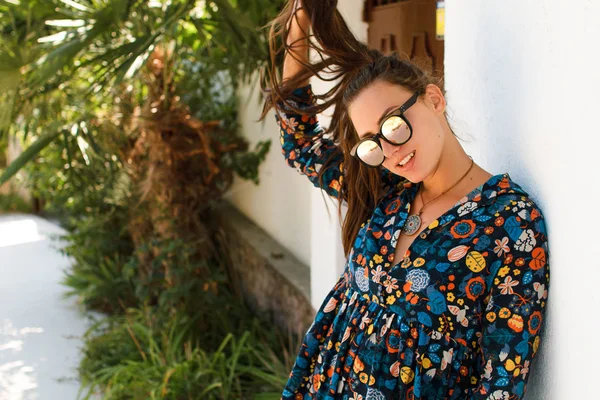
175,165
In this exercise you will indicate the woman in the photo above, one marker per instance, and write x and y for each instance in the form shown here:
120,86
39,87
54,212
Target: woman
446,281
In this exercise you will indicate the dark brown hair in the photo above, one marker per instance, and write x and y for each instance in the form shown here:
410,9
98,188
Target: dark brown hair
356,66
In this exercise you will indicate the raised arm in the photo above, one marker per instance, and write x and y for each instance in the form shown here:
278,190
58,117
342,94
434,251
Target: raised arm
305,148
302,141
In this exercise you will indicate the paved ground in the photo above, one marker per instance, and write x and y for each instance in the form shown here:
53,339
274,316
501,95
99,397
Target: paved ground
39,330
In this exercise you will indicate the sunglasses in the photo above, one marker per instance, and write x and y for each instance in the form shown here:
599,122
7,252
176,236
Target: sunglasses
394,129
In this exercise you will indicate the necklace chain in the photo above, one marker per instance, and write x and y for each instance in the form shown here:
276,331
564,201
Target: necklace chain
413,223
445,191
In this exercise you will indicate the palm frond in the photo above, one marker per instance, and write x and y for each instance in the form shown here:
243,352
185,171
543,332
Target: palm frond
29,154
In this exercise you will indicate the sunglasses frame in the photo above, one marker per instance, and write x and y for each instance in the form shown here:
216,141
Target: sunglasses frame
399,112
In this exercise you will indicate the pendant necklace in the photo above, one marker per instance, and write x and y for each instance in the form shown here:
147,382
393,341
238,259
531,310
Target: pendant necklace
413,223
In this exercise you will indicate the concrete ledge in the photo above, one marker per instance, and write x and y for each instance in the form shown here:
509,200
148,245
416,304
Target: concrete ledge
272,280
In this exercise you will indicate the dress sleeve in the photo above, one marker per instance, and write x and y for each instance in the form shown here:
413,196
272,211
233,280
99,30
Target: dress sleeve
304,146
519,282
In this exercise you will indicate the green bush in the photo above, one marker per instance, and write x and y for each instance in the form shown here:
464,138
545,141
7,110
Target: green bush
146,354
12,202
186,337
96,117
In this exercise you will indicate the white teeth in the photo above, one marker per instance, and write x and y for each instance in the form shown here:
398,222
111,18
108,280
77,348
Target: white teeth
406,159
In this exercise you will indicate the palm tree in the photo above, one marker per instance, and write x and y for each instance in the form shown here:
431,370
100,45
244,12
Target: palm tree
79,73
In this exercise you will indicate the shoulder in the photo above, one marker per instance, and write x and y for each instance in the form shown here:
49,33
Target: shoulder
517,227
503,198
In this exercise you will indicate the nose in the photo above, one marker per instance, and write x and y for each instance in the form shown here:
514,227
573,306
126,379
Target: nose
388,149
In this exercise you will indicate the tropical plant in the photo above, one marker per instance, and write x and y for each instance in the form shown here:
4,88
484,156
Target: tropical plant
101,79
145,355
127,110
94,46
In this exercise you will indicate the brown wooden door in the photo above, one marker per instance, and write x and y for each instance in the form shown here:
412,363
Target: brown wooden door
406,26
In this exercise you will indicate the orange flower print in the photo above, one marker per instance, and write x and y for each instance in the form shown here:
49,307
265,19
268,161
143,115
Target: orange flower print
419,262
535,321
501,246
462,229
504,312
390,284
507,286
475,287
378,273
292,124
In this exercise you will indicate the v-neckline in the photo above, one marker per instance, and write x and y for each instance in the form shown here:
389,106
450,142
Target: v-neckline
423,235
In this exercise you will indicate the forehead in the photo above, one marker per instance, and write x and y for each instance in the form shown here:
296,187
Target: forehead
372,102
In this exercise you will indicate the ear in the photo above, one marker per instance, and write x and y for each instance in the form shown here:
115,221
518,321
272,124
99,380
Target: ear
435,98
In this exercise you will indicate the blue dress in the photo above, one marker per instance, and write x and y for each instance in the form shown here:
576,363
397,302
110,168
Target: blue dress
458,318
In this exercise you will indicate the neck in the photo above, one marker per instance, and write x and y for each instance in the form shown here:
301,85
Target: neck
453,164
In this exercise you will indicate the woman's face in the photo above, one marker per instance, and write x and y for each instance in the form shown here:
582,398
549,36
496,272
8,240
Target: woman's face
426,116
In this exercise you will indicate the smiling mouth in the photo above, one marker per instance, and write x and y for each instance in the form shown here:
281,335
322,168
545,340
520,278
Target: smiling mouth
407,159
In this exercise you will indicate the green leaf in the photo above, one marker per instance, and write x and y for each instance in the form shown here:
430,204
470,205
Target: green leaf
28,155
9,82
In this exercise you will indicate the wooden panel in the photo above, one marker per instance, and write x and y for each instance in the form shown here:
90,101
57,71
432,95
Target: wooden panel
407,27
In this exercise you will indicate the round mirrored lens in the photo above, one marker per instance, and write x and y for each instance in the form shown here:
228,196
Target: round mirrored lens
370,153
396,130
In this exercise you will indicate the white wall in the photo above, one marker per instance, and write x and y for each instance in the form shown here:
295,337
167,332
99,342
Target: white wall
281,204
523,86
286,204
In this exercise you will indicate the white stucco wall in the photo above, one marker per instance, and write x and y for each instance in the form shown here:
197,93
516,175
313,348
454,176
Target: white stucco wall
286,204
281,204
523,87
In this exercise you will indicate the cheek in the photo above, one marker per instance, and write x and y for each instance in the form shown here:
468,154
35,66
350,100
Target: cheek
387,163
429,142
429,134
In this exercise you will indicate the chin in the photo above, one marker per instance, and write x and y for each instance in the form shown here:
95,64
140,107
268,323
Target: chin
413,174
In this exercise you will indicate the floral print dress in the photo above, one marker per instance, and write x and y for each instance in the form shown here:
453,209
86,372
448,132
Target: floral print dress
458,318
